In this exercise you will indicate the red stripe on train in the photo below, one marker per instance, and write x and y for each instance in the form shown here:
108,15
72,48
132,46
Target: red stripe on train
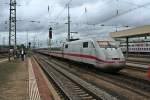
86,56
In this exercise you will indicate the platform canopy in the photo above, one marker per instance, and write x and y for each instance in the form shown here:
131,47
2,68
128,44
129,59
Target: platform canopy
138,31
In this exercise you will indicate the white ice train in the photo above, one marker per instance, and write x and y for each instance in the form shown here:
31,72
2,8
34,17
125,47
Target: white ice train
104,54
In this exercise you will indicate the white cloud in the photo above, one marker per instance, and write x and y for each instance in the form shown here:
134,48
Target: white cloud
97,12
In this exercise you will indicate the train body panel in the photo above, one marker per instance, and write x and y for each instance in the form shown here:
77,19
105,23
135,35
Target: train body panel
100,53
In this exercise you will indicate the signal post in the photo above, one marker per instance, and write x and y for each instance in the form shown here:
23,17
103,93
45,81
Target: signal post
50,37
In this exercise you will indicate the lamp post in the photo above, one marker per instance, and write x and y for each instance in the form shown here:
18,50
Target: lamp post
27,34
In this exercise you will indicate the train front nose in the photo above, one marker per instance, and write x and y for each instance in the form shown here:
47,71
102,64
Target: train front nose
115,58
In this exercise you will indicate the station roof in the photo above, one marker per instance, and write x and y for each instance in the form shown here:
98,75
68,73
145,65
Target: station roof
138,31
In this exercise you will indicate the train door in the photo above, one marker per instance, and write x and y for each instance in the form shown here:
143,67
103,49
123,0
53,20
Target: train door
63,46
65,50
84,53
81,51
88,53
92,52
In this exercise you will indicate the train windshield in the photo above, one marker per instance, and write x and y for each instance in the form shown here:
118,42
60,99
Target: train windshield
107,44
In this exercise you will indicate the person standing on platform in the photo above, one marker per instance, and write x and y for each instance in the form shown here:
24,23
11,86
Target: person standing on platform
22,54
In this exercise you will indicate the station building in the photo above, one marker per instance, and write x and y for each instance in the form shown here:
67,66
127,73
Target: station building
129,34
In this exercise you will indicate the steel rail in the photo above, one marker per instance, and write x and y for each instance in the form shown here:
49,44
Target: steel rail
124,81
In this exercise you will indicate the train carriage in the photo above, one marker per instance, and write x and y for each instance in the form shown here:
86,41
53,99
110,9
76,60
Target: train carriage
103,54
142,47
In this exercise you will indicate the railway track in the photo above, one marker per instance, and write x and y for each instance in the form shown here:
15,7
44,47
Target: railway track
139,62
138,86
143,60
134,65
136,68
69,86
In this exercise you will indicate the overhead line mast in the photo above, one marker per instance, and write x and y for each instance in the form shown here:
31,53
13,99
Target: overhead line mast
68,22
12,26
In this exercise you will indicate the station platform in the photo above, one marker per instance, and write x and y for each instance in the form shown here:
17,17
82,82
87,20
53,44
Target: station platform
23,80
13,80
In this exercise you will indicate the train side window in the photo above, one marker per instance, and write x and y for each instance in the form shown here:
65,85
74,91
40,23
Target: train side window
85,44
66,46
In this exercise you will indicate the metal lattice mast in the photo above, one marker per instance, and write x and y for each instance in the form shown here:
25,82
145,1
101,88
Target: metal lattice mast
12,26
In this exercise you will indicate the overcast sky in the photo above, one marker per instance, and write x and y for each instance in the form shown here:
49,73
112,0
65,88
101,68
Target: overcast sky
87,16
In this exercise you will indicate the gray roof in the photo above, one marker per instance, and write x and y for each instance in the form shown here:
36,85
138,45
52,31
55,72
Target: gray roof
138,31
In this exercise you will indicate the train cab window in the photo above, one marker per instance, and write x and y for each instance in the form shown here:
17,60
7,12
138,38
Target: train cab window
85,44
92,45
66,46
